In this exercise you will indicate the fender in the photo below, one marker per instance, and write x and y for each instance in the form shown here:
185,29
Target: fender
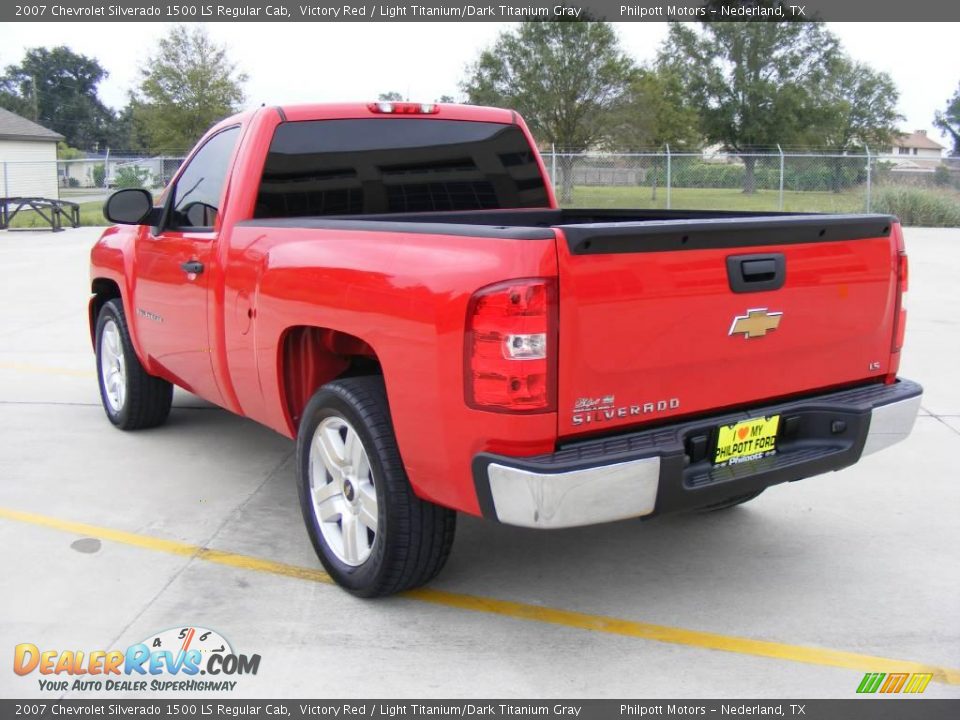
112,258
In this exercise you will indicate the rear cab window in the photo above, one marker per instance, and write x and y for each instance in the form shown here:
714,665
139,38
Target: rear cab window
397,165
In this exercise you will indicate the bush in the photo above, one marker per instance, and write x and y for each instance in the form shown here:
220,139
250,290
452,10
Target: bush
919,206
130,176
941,176
800,174
99,175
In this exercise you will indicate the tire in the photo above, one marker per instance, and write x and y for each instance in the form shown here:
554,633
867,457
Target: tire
731,502
349,477
132,398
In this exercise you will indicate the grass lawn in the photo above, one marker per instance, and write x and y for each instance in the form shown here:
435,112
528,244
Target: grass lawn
91,213
717,199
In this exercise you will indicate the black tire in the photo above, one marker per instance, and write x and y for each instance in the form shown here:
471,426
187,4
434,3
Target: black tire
731,502
146,400
413,537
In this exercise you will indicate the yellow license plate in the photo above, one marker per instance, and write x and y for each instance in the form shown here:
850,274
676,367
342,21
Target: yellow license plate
746,441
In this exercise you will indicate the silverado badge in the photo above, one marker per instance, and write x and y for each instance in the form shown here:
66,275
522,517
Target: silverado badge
756,323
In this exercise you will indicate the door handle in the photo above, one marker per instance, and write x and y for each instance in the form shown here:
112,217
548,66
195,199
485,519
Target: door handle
192,267
755,273
758,270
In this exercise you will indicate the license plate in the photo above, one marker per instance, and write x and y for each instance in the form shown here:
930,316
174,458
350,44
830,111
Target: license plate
747,441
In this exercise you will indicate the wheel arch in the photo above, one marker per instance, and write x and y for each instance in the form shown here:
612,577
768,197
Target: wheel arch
310,357
103,290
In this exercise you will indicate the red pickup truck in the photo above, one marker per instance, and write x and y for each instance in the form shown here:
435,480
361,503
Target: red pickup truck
394,286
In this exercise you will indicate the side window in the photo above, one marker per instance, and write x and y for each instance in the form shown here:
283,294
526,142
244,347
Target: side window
196,198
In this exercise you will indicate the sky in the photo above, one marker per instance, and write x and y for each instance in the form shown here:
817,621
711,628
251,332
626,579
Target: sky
338,62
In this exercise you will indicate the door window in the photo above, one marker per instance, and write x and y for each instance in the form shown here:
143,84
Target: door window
196,198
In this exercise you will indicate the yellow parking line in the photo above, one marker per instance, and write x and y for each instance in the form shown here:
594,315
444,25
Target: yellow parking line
45,370
516,610
173,547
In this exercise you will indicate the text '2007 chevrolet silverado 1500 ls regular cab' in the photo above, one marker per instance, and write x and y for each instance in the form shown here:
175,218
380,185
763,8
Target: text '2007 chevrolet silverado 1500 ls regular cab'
394,286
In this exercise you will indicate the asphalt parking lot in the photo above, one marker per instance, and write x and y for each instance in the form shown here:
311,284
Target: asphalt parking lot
109,538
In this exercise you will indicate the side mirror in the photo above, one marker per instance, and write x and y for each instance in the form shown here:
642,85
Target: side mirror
131,206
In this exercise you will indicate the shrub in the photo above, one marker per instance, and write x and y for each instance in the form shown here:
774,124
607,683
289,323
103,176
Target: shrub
99,175
800,174
131,176
941,176
919,206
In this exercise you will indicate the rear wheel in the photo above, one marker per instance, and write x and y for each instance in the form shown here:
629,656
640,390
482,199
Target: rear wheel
132,398
372,534
731,502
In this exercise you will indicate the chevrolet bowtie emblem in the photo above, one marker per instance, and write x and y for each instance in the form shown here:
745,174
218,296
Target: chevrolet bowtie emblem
756,323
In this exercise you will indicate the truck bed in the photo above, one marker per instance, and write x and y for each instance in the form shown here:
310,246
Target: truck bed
606,231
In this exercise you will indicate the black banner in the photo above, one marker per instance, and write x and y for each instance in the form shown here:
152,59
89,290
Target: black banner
454,10
861,709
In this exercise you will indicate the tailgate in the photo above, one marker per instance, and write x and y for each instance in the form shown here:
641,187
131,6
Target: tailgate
672,318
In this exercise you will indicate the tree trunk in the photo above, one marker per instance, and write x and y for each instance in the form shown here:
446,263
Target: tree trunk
749,178
837,179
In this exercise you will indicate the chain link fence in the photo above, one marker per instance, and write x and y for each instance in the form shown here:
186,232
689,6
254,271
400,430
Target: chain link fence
787,181
87,179
791,181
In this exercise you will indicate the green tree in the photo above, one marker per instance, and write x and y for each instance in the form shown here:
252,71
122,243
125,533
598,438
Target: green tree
57,88
390,97
949,121
857,106
65,152
128,134
653,112
754,84
449,99
187,86
562,77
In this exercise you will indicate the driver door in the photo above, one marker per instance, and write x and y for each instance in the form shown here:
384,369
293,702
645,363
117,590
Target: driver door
174,266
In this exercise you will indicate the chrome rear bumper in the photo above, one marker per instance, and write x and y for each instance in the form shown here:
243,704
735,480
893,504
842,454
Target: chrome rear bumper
657,471
889,424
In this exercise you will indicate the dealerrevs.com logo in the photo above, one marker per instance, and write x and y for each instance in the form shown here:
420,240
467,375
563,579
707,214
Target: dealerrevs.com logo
172,660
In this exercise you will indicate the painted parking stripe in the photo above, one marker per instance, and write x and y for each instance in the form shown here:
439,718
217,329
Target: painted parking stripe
46,370
514,610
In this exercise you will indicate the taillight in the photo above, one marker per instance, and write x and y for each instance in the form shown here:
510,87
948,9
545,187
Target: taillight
403,108
903,278
510,355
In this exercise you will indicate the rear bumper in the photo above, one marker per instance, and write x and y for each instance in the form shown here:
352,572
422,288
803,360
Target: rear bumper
668,469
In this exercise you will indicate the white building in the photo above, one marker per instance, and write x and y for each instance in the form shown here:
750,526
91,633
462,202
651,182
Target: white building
915,152
28,158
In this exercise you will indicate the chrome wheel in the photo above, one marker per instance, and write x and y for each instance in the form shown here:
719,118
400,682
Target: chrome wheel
342,491
113,370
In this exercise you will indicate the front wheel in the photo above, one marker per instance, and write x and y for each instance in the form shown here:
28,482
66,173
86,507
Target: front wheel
372,534
132,398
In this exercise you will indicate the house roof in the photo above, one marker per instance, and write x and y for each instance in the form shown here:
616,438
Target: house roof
917,139
914,164
14,127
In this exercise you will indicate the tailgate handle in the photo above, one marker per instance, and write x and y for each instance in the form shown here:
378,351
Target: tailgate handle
755,273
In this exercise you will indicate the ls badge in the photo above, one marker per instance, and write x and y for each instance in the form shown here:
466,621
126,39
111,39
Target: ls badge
756,323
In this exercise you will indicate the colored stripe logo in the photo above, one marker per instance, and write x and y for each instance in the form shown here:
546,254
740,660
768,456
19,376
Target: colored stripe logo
894,683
